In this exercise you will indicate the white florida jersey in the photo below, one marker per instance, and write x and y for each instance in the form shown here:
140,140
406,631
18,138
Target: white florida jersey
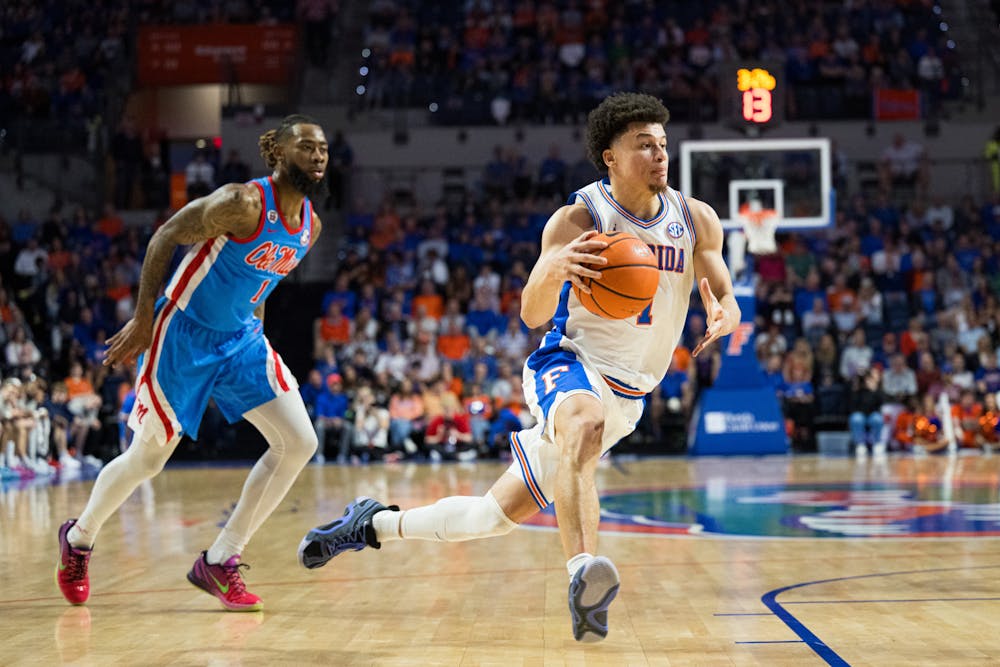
633,354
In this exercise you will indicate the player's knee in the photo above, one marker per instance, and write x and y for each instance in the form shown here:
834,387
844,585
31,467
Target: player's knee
305,442
581,439
148,457
484,518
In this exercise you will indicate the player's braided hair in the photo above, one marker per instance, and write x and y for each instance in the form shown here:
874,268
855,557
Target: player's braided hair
612,117
269,141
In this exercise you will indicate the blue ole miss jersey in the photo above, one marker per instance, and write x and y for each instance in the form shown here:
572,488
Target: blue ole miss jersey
221,281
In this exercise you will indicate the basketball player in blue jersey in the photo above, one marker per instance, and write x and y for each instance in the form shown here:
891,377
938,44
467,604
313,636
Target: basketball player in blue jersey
204,339
587,381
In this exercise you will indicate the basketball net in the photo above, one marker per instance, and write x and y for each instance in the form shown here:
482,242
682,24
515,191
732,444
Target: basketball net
759,225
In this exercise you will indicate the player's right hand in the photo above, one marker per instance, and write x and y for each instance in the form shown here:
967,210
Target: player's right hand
129,342
574,260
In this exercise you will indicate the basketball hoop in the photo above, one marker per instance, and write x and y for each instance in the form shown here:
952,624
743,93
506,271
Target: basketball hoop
759,225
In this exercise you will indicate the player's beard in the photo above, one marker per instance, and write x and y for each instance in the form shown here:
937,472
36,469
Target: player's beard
658,189
305,183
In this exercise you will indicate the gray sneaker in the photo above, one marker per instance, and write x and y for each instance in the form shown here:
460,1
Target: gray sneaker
591,591
352,532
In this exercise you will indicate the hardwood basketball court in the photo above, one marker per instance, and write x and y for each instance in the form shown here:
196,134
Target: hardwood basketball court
724,561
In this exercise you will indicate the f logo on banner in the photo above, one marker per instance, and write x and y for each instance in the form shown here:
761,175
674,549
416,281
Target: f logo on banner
140,412
549,377
739,338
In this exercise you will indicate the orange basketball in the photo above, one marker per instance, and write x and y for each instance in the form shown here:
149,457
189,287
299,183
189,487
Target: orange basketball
628,281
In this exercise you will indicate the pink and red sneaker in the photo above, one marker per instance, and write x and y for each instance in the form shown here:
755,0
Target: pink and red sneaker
71,572
224,582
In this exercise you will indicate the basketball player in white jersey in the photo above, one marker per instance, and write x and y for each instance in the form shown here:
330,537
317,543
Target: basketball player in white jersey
587,381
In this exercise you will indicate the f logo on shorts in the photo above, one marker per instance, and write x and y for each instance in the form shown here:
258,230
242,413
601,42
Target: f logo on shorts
549,377
140,412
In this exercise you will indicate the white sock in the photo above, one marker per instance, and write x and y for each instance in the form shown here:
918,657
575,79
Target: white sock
386,524
453,519
576,562
227,545
79,538
291,441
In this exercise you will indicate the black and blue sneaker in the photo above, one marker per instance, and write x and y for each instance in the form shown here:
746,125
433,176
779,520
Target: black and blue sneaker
591,591
352,532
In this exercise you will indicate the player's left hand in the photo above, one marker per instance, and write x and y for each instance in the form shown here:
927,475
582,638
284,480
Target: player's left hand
719,321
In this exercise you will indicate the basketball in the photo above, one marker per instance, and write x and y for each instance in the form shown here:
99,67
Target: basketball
628,281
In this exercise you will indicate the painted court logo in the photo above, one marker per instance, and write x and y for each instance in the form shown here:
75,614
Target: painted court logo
865,510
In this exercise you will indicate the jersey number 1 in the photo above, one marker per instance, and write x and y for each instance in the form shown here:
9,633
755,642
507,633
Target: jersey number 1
263,286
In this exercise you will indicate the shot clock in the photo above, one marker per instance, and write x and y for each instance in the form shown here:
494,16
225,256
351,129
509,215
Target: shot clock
754,98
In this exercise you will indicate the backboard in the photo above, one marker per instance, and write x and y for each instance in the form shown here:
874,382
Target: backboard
789,176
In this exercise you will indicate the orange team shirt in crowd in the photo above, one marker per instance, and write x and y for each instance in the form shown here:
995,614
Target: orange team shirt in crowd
988,426
385,229
110,226
456,386
335,331
6,313
682,358
968,421
406,407
59,260
841,300
903,432
123,389
433,304
78,387
453,346
921,280
907,343
118,293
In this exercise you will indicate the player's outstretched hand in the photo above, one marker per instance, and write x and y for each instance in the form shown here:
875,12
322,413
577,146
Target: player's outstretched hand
129,342
716,317
575,260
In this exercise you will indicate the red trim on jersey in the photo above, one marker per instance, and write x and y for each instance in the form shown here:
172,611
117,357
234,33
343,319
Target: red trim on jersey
260,222
278,373
277,205
618,386
190,270
147,376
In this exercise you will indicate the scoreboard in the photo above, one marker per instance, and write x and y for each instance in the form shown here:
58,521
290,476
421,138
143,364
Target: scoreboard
753,96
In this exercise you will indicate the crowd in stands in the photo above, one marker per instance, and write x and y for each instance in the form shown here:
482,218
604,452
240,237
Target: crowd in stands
56,59
418,346
67,280
487,61
870,324
857,324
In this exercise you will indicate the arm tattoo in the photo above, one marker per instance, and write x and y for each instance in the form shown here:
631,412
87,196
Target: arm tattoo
231,208
154,268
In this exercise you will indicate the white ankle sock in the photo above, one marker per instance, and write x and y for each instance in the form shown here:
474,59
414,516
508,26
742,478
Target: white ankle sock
227,545
386,524
79,538
576,562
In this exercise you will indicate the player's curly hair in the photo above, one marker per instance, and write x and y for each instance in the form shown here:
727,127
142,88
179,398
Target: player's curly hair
269,141
612,117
